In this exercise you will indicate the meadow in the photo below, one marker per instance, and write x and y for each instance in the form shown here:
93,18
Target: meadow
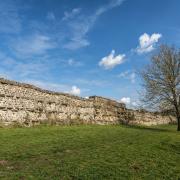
90,152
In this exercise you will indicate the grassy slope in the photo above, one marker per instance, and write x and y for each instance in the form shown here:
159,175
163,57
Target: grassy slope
90,152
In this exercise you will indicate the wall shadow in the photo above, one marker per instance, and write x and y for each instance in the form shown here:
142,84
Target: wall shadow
151,128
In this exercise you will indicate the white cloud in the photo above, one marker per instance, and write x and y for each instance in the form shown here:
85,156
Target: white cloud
80,24
72,62
21,69
134,104
79,27
64,88
91,82
109,6
33,45
132,77
147,42
110,61
10,21
75,91
51,16
47,85
76,44
72,14
128,75
123,74
126,100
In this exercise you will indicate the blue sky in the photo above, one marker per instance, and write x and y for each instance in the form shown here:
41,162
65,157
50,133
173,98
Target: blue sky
84,47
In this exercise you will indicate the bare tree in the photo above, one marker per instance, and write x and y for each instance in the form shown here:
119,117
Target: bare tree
161,81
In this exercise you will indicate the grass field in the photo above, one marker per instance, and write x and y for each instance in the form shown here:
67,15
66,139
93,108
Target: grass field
90,152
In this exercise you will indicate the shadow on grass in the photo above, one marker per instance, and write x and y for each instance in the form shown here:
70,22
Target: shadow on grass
152,128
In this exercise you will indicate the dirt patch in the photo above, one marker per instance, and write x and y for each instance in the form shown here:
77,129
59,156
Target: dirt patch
3,162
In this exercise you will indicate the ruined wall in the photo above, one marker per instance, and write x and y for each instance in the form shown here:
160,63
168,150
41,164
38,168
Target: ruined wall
148,118
28,105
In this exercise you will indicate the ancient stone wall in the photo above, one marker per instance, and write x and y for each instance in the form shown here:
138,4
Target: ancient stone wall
28,105
149,118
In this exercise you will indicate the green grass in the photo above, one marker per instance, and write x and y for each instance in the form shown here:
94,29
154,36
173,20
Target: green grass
90,152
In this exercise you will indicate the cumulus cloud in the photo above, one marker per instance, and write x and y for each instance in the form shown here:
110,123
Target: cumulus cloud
126,100
75,91
110,61
147,42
